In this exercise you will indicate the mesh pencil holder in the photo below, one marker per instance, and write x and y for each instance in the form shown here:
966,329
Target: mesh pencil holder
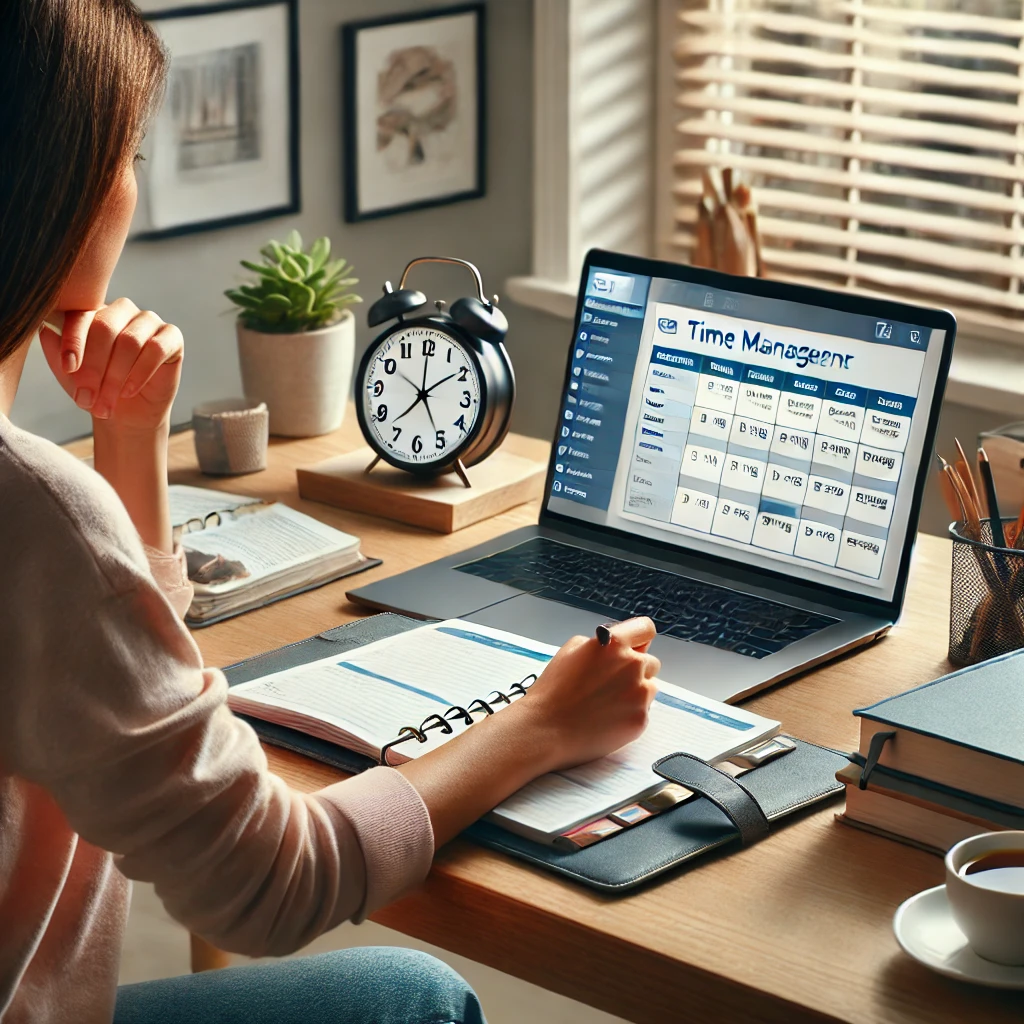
986,607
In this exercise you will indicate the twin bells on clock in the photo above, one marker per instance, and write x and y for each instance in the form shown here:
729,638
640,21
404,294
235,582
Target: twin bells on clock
435,390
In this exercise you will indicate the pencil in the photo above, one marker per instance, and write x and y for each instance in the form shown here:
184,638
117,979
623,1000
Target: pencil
995,521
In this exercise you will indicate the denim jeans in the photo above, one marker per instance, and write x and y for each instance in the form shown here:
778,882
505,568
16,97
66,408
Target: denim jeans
368,985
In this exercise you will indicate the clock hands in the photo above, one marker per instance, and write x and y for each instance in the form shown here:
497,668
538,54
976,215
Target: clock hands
439,383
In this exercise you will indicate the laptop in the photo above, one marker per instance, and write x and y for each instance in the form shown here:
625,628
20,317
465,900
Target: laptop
742,460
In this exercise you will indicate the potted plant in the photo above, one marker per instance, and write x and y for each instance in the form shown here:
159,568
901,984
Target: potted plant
296,336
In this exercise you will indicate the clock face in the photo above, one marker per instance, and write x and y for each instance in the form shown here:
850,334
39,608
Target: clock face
421,395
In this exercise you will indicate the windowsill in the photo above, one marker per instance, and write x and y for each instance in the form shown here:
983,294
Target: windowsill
985,374
555,297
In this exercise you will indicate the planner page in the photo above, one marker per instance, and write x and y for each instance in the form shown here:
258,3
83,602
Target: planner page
362,699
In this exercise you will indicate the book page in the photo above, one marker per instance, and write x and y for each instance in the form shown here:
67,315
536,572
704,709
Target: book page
258,545
196,502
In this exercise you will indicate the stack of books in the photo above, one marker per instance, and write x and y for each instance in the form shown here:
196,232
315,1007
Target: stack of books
943,761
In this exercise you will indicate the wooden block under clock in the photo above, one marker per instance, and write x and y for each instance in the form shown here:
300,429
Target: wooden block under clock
442,503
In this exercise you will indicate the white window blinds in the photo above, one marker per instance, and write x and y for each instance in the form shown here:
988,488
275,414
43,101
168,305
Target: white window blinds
884,141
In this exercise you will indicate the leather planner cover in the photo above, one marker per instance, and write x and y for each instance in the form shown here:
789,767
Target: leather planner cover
785,786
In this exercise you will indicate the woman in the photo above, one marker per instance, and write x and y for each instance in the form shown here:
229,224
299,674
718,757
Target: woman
118,756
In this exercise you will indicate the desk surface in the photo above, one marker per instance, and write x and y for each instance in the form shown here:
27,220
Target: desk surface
797,928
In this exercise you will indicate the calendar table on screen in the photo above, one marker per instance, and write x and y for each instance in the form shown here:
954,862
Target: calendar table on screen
780,461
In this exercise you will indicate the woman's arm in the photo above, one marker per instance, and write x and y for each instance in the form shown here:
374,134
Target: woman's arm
588,701
123,365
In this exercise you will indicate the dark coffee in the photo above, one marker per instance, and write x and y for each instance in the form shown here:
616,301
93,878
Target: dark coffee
1001,870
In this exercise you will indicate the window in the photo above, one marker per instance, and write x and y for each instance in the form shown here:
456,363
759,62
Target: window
884,141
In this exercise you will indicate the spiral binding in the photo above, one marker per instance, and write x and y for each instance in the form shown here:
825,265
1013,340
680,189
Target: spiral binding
457,713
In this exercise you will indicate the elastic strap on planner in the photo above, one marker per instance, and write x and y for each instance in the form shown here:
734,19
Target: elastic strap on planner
731,798
456,713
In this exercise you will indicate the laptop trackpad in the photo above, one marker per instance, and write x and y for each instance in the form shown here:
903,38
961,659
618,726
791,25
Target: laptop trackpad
698,667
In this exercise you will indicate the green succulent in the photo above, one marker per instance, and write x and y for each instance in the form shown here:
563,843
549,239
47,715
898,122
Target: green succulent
295,289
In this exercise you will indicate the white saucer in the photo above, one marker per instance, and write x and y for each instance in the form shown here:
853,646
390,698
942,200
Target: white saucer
926,930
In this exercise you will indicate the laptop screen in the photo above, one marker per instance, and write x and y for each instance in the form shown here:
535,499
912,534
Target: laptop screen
781,435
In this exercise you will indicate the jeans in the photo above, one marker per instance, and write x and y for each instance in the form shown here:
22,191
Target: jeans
368,985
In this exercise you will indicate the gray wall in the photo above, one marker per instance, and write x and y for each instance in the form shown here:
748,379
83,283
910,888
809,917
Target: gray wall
183,279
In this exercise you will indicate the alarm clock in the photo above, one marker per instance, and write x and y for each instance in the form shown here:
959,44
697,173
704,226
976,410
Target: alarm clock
435,391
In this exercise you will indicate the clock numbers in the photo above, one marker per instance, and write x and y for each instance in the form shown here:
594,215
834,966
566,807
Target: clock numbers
420,408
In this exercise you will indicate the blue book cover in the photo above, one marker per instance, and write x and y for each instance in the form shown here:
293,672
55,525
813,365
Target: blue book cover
980,708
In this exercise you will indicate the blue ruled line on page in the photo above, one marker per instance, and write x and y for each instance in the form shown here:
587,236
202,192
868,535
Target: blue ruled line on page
491,641
393,682
706,713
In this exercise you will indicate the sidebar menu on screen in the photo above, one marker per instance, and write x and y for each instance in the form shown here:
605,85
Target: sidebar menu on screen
593,415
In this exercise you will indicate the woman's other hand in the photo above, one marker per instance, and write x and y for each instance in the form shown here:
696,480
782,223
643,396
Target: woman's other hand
119,363
590,699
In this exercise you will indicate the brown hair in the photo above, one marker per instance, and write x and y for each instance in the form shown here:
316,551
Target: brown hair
78,82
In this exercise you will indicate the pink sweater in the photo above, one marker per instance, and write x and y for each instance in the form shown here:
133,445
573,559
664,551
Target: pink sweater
120,760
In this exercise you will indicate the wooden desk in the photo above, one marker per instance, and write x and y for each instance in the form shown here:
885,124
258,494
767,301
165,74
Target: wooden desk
795,929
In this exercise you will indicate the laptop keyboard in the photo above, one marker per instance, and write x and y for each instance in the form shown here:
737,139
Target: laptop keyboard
680,606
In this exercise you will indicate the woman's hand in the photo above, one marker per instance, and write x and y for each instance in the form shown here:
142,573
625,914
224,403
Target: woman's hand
591,699
588,701
120,363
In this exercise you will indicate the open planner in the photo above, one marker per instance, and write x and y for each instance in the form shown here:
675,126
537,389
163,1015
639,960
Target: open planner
404,695
700,808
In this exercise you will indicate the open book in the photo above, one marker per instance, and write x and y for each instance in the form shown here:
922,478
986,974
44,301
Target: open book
362,699
243,553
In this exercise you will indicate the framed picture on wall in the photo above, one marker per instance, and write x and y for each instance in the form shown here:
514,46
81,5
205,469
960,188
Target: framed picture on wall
414,110
224,147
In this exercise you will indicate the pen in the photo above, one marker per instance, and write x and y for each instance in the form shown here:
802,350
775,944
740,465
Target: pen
604,633
995,521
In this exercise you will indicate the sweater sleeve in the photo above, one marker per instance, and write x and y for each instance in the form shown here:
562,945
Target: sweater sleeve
170,573
109,707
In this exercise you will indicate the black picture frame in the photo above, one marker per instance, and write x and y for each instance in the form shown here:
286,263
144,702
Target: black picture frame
294,202
350,106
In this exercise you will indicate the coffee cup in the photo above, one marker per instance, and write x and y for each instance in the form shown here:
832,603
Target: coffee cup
231,436
985,888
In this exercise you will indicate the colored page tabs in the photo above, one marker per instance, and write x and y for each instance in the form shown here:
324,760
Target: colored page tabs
887,420
828,495
878,463
842,412
702,463
817,541
734,520
776,527
860,554
694,509
800,404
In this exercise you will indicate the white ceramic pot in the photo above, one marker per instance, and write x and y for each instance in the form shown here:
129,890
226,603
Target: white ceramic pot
305,379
